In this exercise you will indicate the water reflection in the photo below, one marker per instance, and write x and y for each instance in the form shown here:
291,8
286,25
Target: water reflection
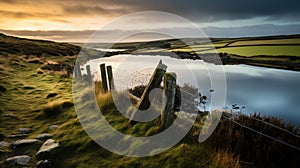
263,90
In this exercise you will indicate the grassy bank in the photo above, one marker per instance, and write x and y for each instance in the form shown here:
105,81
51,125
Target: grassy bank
36,93
38,98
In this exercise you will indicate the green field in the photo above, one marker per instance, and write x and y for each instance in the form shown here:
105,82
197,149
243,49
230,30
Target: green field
262,50
189,49
274,46
266,42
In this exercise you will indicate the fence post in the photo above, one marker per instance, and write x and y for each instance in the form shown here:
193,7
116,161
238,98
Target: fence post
77,70
154,82
110,78
103,77
88,72
168,99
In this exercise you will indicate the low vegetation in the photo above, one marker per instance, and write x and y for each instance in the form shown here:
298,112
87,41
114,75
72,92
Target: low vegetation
14,45
36,97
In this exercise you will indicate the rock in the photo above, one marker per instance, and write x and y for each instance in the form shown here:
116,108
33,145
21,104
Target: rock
17,136
24,130
4,144
52,127
20,160
43,164
44,136
25,142
50,95
48,147
8,115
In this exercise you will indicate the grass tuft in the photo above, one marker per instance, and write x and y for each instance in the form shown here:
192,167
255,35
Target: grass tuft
55,108
224,159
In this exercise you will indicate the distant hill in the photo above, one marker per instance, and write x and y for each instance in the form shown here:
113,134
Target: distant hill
22,46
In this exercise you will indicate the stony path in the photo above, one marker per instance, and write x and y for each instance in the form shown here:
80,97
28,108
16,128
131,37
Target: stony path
23,136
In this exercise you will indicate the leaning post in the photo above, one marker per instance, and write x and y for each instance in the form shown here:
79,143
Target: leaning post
155,82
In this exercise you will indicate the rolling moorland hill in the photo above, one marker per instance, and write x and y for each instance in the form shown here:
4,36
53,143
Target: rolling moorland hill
36,104
15,45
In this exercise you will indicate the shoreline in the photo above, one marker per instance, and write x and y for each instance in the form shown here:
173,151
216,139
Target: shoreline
291,63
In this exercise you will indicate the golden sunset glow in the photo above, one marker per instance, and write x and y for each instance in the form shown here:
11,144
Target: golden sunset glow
74,20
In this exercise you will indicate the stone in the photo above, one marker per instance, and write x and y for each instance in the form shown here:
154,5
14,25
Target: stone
17,136
43,164
48,147
52,127
4,144
24,130
25,142
44,136
8,115
50,95
19,160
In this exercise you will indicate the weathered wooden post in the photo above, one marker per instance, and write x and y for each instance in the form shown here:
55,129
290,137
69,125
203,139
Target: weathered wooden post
88,72
154,82
103,77
77,70
110,78
168,99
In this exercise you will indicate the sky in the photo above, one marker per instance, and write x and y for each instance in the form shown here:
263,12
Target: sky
76,20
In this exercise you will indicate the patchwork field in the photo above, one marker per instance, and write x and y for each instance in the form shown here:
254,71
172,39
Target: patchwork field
248,47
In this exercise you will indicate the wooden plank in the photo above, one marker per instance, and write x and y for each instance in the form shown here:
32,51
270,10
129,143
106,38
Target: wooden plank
154,82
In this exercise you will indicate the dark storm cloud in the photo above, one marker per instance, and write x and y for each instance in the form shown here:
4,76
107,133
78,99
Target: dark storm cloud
255,30
215,10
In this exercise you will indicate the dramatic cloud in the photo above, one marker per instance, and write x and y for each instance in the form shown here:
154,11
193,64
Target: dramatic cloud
92,10
197,10
23,15
107,35
222,18
255,30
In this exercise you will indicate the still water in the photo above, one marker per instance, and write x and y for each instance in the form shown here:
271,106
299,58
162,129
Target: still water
262,90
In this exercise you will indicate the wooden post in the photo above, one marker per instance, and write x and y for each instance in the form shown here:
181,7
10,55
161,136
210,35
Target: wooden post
154,82
169,99
77,70
110,78
88,72
103,77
